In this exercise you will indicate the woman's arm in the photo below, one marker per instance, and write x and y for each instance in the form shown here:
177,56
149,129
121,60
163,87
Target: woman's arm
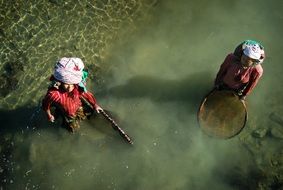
222,71
49,98
88,96
254,78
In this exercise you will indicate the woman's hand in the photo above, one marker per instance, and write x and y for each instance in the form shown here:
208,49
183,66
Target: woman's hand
50,117
98,108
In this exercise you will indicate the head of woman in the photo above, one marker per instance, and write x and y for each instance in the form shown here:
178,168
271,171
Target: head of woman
68,87
248,62
252,55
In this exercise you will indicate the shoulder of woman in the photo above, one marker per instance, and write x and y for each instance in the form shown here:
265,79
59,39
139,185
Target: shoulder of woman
53,92
231,58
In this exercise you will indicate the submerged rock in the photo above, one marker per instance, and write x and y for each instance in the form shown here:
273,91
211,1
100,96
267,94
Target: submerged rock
276,118
10,77
2,33
56,2
277,132
260,133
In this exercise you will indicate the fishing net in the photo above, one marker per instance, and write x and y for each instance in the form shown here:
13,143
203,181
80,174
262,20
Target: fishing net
222,114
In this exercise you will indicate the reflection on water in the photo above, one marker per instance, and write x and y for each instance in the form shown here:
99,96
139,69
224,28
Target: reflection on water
153,62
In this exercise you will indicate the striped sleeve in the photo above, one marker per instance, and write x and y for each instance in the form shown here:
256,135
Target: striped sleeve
90,98
50,98
223,69
255,76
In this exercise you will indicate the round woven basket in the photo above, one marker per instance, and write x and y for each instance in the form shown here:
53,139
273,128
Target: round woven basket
221,114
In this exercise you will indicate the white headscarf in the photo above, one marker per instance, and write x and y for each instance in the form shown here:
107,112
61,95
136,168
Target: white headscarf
69,70
254,50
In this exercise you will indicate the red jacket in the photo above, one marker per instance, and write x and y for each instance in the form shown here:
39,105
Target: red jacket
68,102
232,74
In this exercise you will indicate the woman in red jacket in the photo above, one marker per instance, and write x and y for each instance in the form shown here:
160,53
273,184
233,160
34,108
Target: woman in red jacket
242,69
67,95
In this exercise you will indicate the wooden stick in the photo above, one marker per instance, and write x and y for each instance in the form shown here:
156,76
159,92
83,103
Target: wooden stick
116,127
113,123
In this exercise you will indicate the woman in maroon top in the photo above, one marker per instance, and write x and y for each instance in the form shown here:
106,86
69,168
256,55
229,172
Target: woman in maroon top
242,69
71,101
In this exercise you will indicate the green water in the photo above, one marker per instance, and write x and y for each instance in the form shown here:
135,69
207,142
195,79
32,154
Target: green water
151,63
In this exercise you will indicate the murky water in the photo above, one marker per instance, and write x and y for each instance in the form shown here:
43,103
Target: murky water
151,63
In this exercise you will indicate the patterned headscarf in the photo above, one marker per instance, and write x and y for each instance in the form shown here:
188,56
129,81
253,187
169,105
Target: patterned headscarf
254,50
69,70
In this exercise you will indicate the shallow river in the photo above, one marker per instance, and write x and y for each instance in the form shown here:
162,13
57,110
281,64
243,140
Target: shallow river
150,63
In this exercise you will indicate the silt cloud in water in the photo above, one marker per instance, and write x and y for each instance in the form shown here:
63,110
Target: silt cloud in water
156,82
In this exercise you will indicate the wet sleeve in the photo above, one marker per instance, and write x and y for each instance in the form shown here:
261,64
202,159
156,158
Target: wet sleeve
222,71
90,98
49,98
254,78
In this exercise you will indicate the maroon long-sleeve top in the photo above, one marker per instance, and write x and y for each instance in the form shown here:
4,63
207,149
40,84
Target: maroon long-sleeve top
235,76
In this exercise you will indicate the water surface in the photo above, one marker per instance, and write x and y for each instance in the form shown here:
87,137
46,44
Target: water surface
151,63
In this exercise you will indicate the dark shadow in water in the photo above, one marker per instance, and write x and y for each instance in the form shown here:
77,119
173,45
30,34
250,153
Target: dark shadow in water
189,90
240,178
19,126
13,132
29,120
100,124
19,119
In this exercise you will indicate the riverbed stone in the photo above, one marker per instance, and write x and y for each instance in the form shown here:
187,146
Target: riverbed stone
260,133
277,132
